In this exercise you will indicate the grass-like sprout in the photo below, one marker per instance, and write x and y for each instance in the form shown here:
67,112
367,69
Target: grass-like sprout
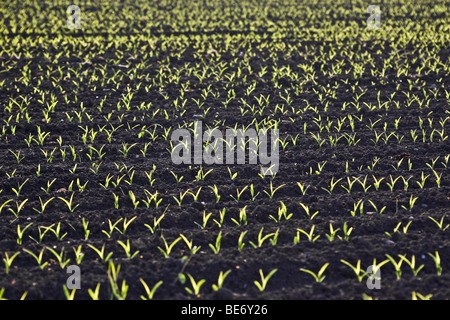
8,261
127,248
309,235
437,261
195,286
38,258
264,279
216,247
360,274
261,239
69,203
168,248
150,292
221,279
397,265
319,277
440,223
60,257
101,253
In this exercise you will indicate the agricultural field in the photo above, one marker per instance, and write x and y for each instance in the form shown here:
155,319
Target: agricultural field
96,204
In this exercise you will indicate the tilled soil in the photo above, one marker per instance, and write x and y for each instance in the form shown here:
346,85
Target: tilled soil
298,163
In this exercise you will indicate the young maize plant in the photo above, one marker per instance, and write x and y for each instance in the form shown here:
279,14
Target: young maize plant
319,277
150,292
221,279
264,279
195,286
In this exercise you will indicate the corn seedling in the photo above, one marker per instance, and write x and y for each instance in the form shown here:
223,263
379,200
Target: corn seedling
309,235
41,233
19,188
193,249
440,224
149,176
239,194
412,201
222,218
69,203
19,208
126,149
168,248
69,295
241,242
332,233
422,182
216,247
392,183
120,293
150,292
412,264
205,220
242,217
177,178
252,192
274,239
101,253
94,294
195,195
216,193
8,261
309,214
156,222
79,256
437,262
264,279
60,257
319,277
332,185
195,286
112,227
232,175
179,200
380,211
221,279
261,239
57,232
153,198
38,258
116,201
4,204
201,175
43,205
360,274
21,232
87,232
133,199
417,296
127,248
347,231
271,194
303,188
350,184
397,266
438,178
282,213
358,206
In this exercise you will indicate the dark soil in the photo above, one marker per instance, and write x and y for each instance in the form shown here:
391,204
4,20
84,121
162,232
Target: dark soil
367,241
